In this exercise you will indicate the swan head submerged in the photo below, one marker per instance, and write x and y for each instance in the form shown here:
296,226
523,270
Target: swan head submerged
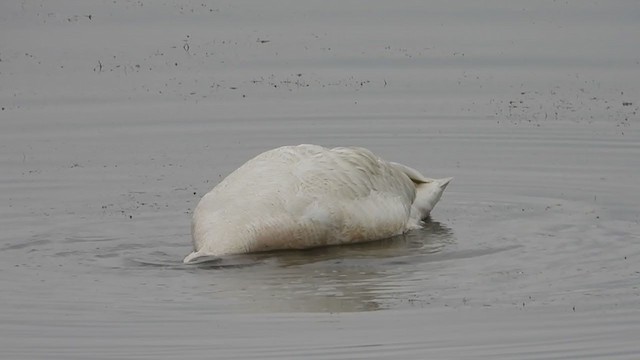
342,195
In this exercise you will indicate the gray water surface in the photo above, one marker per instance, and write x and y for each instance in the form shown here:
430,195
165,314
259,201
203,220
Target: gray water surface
112,127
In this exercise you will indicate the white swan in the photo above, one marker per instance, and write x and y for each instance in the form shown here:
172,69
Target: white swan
304,196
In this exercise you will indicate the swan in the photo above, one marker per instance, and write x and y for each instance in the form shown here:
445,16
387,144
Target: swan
297,197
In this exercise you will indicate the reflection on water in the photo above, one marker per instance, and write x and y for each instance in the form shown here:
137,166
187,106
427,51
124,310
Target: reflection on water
390,273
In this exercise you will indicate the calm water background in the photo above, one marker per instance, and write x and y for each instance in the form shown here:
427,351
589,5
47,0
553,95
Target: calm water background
118,116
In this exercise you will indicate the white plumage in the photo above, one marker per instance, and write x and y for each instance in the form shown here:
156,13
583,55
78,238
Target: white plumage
304,196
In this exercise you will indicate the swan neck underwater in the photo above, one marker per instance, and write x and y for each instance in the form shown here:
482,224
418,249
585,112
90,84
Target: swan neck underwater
305,196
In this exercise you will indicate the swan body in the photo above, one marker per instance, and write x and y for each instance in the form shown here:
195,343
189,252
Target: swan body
296,197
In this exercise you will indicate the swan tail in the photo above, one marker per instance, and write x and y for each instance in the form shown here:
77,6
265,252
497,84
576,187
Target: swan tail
442,183
428,194
418,178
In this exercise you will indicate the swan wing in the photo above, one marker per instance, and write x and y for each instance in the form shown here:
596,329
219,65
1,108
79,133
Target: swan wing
303,196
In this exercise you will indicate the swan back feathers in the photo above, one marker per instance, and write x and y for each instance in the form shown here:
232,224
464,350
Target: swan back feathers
296,197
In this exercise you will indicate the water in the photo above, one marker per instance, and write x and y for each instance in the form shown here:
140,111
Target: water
106,145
